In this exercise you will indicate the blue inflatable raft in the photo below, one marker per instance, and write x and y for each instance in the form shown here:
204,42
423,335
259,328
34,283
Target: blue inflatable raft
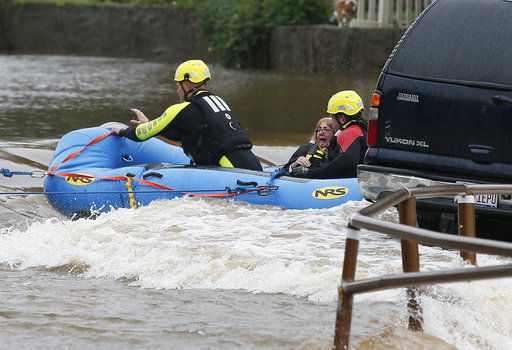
94,171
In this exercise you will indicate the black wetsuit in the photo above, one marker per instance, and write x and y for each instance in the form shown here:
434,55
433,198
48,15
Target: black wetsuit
207,129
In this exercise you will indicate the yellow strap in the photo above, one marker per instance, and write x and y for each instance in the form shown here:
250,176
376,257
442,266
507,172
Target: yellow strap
224,162
133,202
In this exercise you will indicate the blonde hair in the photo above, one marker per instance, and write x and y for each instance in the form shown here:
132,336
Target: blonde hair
326,120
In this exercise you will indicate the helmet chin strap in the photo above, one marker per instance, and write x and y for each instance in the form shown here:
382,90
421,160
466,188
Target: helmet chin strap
347,123
194,89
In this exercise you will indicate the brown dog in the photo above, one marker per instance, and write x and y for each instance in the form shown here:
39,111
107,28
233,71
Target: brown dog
345,11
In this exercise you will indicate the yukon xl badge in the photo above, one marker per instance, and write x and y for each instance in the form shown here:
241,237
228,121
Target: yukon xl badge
407,97
407,142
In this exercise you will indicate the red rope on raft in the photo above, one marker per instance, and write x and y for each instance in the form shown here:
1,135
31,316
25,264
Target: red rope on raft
121,178
72,155
153,184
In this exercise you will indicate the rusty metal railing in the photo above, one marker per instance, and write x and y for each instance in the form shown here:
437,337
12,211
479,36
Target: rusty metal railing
410,236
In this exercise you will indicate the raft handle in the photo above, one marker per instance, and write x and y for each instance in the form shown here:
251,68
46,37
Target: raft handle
127,158
265,190
244,183
153,173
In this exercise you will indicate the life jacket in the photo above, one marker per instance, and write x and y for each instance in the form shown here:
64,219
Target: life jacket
316,156
222,133
352,131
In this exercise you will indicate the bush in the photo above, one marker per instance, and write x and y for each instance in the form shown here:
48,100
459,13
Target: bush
189,4
239,29
296,12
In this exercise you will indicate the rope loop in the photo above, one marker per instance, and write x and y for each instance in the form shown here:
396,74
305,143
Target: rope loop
277,173
237,190
34,173
6,172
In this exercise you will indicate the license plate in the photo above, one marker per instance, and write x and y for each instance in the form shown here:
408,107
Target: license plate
487,200
483,200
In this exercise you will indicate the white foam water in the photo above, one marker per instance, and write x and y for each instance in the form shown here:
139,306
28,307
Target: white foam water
191,243
195,243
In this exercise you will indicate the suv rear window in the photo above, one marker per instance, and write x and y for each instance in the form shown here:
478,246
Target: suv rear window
437,47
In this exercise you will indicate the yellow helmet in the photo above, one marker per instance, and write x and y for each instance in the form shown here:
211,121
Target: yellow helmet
194,70
347,102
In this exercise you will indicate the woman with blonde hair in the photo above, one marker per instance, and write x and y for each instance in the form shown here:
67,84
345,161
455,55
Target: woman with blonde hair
314,153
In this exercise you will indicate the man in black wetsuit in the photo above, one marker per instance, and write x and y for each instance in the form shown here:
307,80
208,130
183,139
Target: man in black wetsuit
348,144
202,122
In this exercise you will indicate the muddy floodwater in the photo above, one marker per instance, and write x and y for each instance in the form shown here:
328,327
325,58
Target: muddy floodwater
191,273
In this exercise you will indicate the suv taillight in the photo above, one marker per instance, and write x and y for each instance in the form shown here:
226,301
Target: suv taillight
372,120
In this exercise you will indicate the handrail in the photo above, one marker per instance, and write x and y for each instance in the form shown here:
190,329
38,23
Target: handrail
432,238
430,191
416,278
411,235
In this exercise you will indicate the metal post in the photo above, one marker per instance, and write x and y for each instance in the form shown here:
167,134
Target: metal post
411,261
466,213
408,12
385,13
345,301
399,12
372,11
360,10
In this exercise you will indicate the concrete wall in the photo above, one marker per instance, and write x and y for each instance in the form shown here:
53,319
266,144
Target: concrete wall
107,29
169,34
329,49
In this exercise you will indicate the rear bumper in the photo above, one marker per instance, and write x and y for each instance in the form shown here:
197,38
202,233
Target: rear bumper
377,181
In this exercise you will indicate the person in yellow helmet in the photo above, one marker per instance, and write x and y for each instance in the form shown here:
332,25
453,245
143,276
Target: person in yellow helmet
348,146
203,122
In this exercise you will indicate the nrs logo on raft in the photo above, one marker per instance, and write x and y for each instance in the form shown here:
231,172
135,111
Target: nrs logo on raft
330,192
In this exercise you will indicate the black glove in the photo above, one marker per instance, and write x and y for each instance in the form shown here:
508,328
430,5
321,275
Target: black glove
300,171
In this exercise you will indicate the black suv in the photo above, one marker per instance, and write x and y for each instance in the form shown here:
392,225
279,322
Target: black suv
442,112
